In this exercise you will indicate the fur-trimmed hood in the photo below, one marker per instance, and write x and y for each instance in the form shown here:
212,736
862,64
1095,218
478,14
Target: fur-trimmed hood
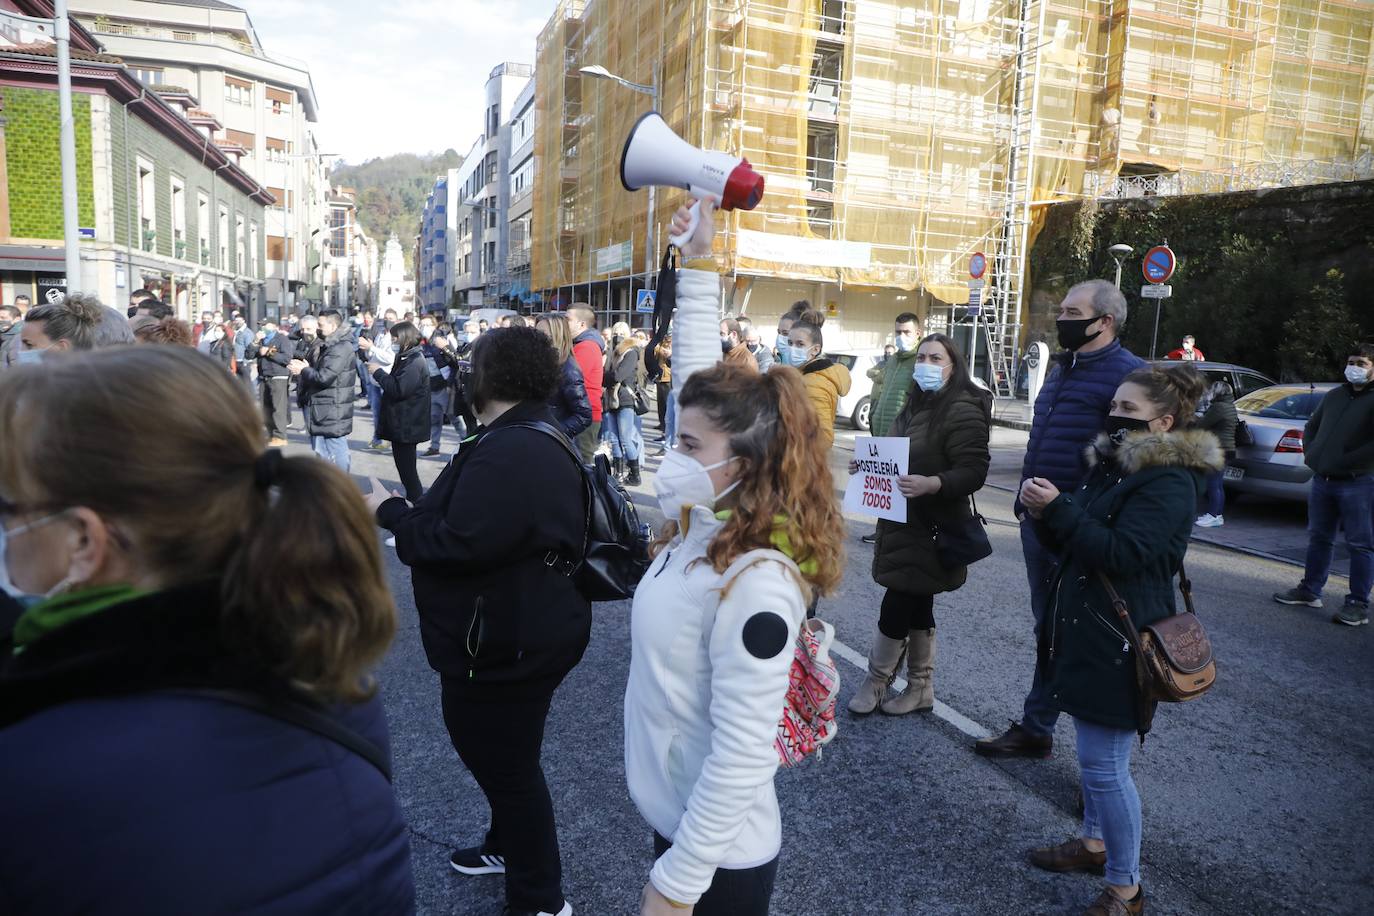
1194,449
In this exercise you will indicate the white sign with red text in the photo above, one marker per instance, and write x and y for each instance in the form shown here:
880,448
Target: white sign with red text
873,490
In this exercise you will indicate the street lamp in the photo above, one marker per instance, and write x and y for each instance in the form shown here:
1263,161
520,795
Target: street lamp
651,90
1120,252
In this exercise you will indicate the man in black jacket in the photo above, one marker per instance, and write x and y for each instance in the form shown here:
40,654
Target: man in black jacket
326,385
1339,441
274,352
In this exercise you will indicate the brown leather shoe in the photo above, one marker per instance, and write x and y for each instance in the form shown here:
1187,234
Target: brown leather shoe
1109,904
1016,742
1070,856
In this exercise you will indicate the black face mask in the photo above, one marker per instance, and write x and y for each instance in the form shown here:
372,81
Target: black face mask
725,345
1117,428
1073,332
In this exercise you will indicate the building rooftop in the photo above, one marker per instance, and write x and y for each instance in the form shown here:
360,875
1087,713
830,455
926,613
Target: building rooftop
206,4
46,49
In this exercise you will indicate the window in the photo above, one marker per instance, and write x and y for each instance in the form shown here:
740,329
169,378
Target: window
522,179
148,76
203,227
223,239
253,250
237,91
239,261
147,205
278,101
277,150
283,197
491,167
178,218
241,138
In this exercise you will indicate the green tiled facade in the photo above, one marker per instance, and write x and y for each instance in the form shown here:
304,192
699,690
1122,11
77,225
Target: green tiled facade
35,166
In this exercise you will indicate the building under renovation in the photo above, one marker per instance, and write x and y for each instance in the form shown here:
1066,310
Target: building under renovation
898,138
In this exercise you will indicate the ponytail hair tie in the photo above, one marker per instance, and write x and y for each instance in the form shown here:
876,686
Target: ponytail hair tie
267,468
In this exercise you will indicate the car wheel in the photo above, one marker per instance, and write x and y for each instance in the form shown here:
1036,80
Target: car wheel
860,418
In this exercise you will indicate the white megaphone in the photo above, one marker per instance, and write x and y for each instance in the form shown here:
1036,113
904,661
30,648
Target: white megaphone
655,155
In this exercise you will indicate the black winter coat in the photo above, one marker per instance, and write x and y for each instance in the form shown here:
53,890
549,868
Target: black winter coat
571,409
1221,420
326,385
624,371
1131,519
953,448
495,618
177,803
405,399
272,355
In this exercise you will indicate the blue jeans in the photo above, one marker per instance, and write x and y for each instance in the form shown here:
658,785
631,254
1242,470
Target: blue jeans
670,422
627,442
1038,716
333,449
1216,494
1341,502
1111,805
438,406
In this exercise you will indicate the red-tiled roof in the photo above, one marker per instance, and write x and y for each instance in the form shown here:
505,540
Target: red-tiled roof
46,49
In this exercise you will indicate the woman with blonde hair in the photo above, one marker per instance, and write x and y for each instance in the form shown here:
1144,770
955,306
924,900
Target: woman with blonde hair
749,538
624,376
569,402
203,637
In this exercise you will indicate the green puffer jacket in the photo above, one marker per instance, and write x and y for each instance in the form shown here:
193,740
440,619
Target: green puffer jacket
1131,519
891,385
1221,420
953,448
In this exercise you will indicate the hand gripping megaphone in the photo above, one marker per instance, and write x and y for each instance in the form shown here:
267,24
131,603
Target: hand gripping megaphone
655,155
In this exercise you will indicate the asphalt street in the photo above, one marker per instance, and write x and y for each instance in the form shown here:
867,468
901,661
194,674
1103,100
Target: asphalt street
1258,798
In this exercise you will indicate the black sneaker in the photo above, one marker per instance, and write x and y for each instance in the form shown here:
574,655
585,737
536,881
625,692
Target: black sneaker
1016,742
472,861
1352,615
870,538
1298,595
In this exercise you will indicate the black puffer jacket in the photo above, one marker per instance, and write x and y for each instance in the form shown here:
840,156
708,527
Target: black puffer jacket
495,618
405,399
327,386
624,372
569,403
949,432
1131,520
1221,420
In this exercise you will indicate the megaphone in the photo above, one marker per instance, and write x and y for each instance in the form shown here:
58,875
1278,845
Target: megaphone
655,155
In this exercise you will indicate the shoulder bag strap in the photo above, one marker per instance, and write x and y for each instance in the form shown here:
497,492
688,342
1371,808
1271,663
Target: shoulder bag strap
1123,612
302,716
1185,586
587,494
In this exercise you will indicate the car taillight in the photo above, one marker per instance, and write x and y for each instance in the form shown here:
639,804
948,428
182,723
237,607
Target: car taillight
1290,442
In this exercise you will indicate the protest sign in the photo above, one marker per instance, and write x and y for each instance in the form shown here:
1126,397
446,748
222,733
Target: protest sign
873,490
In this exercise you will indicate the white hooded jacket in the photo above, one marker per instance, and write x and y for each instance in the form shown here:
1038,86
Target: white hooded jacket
708,674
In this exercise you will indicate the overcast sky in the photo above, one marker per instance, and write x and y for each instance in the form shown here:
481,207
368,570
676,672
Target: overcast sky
402,76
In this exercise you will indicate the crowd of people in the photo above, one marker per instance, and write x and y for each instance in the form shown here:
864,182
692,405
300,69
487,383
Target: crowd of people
208,634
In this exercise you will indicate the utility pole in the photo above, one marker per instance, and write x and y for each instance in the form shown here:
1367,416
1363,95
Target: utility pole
71,235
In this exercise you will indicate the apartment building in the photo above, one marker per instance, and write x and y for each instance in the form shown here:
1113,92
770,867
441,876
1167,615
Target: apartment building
351,261
897,138
437,246
263,104
521,209
161,207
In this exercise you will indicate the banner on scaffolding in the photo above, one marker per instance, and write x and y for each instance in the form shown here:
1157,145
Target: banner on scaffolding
789,249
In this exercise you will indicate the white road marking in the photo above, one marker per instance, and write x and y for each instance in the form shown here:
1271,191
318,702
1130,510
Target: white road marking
948,713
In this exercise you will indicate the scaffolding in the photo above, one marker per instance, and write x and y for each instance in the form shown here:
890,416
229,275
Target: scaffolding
923,132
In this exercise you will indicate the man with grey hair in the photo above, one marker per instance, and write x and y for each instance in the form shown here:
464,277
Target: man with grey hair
113,329
1069,413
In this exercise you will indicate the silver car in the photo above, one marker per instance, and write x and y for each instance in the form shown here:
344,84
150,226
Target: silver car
1273,465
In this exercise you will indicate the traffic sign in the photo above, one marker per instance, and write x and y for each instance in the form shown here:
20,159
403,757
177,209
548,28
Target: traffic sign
1156,291
975,299
977,265
644,301
1158,265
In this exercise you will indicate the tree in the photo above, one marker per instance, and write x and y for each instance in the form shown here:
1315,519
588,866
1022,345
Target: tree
1320,334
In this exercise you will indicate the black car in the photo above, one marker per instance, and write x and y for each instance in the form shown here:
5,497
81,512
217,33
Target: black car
1243,380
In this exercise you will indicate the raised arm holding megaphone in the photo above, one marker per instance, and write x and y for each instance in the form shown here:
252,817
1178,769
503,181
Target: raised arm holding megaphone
654,155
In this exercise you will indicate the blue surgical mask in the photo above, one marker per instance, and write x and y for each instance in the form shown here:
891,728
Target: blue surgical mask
903,343
796,357
21,597
929,376
29,357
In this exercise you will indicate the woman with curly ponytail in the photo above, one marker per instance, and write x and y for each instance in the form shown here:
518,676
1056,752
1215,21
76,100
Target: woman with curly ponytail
750,538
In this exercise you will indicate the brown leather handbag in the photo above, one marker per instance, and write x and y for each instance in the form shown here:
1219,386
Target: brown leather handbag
1174,661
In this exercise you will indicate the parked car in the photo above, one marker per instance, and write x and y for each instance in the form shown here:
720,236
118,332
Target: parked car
1243,380
1272,465
854,406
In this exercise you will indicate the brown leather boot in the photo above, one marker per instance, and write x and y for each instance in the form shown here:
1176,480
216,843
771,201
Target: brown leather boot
1070,856
883,660
1109,904
919,695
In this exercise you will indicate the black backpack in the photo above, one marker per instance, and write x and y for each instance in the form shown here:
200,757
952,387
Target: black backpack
615,547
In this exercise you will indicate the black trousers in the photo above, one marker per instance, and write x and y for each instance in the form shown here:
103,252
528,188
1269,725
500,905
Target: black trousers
902,611
662,390
276,405
403,453
499,742
733,891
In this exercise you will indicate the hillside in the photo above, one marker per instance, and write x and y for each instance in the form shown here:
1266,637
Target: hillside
392,191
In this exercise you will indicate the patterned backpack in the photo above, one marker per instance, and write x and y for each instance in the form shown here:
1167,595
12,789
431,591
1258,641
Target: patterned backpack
808,716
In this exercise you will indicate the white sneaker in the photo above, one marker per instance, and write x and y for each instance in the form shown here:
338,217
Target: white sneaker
566,911
1210,521
390,542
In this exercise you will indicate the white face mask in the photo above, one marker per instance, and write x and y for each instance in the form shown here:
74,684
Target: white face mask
7,585
1355,375
904,343
682,481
